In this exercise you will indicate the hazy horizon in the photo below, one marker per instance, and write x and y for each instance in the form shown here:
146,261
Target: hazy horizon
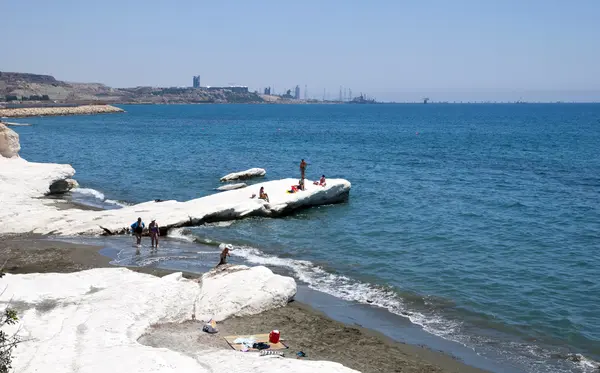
459,51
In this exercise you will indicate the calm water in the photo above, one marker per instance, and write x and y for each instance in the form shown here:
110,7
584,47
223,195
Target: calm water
481,223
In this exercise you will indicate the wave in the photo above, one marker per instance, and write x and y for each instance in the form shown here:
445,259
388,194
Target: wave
406,305
95,198
184,234
348,289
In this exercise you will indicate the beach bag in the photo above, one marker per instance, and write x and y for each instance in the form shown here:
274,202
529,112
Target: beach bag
210,327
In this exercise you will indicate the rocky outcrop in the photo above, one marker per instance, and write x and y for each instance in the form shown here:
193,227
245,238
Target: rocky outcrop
90,321
57,111
253,172
63,186
9,142
232,186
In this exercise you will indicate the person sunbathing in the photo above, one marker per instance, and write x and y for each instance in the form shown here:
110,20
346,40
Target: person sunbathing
263,195
321,182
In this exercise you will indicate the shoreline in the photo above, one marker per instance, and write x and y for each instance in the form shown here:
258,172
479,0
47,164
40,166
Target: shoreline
356,347
42,111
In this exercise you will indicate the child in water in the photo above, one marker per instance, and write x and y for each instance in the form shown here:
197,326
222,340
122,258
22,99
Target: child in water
224,255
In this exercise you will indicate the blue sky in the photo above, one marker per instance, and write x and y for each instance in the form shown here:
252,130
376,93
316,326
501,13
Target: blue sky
393,50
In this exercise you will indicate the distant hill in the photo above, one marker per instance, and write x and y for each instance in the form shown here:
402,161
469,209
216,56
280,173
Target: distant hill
34,87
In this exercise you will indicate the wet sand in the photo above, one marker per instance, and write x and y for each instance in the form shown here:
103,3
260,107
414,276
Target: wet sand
303,328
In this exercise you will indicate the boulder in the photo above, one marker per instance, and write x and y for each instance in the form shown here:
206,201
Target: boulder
9,142
253,172
63,186
232,186
240,290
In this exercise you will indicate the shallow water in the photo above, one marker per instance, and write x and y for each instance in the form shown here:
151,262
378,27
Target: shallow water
480,223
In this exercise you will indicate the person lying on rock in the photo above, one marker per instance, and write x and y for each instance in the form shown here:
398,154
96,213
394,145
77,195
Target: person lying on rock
154,232
263,195
138,229
224,255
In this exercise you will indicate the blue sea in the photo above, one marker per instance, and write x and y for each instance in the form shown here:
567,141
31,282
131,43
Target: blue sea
477,226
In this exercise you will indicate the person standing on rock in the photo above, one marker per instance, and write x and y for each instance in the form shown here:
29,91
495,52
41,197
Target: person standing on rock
138,229
154,233
302,169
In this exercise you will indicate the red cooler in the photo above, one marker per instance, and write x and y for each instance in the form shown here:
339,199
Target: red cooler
274,336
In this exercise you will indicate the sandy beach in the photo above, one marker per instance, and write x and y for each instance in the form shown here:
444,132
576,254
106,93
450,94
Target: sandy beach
303,328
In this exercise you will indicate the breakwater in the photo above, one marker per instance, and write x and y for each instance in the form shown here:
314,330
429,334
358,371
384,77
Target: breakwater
60,110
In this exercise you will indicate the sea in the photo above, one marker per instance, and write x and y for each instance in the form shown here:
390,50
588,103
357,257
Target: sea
471,228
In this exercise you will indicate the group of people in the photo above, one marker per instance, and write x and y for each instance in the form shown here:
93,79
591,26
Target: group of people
294,188
138,227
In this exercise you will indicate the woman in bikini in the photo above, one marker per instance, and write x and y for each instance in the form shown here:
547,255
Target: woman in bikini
154,233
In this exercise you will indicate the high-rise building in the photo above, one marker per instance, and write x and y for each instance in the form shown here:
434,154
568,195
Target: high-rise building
297,93
196,81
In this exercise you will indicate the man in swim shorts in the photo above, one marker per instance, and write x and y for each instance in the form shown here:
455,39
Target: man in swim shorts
137,229
302,169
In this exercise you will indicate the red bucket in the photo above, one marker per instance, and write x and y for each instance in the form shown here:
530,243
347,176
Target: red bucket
274,336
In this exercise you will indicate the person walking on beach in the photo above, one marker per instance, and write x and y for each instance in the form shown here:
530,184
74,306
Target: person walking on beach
154,232
224,255
302,169
138,229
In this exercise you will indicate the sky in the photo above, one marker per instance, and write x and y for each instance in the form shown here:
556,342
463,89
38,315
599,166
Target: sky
391,50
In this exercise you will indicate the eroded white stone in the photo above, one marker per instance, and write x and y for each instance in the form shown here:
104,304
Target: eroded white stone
23,183
253,172
232,186
90,321
9,142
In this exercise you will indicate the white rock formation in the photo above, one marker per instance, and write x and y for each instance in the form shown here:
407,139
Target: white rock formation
240,291
232,186
90,321
9,142
22,183
253,172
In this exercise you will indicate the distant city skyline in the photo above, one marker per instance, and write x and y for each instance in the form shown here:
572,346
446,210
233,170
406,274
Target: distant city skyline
464,50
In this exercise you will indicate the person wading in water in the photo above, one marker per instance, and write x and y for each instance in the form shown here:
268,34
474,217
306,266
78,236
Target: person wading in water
138,229
154,233
224,255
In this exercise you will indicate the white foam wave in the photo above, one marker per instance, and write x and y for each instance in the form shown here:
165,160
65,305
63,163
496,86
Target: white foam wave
145,262
226,223
585,364
348,289
87,192
181,234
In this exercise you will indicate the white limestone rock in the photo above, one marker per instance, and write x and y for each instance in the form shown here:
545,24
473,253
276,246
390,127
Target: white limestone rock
24,212
253,172
9,142
90,321
232,186
242,290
